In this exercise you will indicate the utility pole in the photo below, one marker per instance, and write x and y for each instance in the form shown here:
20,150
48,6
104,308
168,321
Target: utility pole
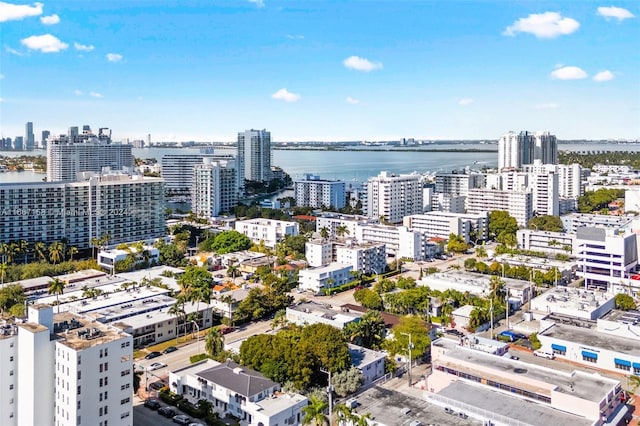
409,355
491,313
330,393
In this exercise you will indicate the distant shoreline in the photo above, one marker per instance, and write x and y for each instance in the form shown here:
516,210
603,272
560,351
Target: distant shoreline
348,149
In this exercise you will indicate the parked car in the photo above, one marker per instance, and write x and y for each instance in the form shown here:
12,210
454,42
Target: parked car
169,350
515,357
156,385
226,330
167,412
157,366
154,404
152,355
196,424
543,354
181,419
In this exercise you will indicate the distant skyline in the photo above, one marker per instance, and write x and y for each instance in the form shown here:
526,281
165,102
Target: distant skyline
322,70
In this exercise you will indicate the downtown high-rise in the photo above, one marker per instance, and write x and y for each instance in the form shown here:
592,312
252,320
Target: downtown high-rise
516,150
254,156
29,137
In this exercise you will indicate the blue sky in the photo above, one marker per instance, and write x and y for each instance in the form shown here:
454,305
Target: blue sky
322,70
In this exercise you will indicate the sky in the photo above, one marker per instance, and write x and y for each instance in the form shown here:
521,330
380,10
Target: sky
322,70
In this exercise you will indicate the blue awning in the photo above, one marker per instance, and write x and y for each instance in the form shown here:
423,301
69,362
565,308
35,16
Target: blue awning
558,347
588,354
636,365
619,361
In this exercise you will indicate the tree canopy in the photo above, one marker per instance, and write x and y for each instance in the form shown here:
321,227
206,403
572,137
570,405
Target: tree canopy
227,242
419,332
501,222
593,201
624,302
457,244
546,223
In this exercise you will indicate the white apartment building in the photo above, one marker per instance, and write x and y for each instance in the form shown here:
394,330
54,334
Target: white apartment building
128,208
632,200
268,230
109,258
399,240
574,303
177,169
316,313
324,277
67,157
458,183
332,221
543,187
214,187
239,391
391,196
254,156
442,224
318,252
606,259
571,222
515,150
311,191
569,177
367,258
518,204
65,369
546,241
369,362
448,203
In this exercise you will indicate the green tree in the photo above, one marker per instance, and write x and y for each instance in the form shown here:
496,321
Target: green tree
500,221
324,232
368,298
10,295
214,342
419,331
56,286
347,381
457,244
3,272
634,383
481,252
40,250
369,332
72,251
625,302
229,242
314,413
342,230
56,252
546,223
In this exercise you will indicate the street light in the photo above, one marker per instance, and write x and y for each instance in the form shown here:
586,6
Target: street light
330,393
409,355
197,335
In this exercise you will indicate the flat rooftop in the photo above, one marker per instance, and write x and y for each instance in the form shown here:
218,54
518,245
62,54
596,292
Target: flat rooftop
333,266
570,300
479,281
623,317
86,333
586,386
324,310
481,398
387,408
279,402
593,338
361,357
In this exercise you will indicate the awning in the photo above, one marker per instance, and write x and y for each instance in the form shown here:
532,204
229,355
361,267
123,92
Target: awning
588,354
619,361
558,347
636,365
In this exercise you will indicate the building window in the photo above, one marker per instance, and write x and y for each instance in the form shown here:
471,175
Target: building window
100,411
101,382
124,401
79,389
10,387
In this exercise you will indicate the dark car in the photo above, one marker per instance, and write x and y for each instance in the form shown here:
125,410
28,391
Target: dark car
167,412
227,330
154,404
156,386
169,350
152,355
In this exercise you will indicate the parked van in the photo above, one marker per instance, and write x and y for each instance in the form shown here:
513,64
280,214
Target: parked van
544,354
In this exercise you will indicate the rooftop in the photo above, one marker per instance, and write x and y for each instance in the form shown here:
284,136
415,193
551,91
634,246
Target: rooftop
623,317
77,276
84,333
241,380
570,300
332,267
361,357
593,338
279,402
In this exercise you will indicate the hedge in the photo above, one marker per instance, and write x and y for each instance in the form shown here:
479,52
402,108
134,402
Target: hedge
190,409
169,398
197,357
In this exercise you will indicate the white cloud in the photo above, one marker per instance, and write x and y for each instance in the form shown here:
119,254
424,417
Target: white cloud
259,3
605,75
295,36
361,64
45,43
13,51
543,25
569,73
352,101
466,101
83,47
77,92
615,13
15,12
114,57
95,94
285,95
50,20
548,105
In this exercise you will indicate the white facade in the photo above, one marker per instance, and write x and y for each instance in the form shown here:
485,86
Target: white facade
214,188
267,230
369,362
365,258
448,203
391,196
66,158
128,208
546,241
515,150
324,277
240,392
109,258
518,204
458,183
177,169
574,303
569,177
399,240
317,193
318,252
83,375
254,156
606,258
632,200
332,221
316,313
573,221
442,224
543,187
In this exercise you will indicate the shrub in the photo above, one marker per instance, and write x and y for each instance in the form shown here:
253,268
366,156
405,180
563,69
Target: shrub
169,397
197,357
190,409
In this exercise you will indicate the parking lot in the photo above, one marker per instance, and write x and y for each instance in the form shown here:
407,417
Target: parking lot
143,416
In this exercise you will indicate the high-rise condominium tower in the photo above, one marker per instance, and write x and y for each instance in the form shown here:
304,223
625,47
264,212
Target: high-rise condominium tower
29,137
69,155
254,156
515,150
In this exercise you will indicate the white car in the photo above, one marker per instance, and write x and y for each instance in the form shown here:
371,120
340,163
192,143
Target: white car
157,366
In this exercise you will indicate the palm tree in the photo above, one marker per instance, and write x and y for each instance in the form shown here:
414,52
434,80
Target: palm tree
363,419
342,230
314,413
3,272
229,300
72,250
4,251
177,309
13,250
324,232
233,271
95,243
40,250
214,342
344,414
279,319
22,247
56,252
56,286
